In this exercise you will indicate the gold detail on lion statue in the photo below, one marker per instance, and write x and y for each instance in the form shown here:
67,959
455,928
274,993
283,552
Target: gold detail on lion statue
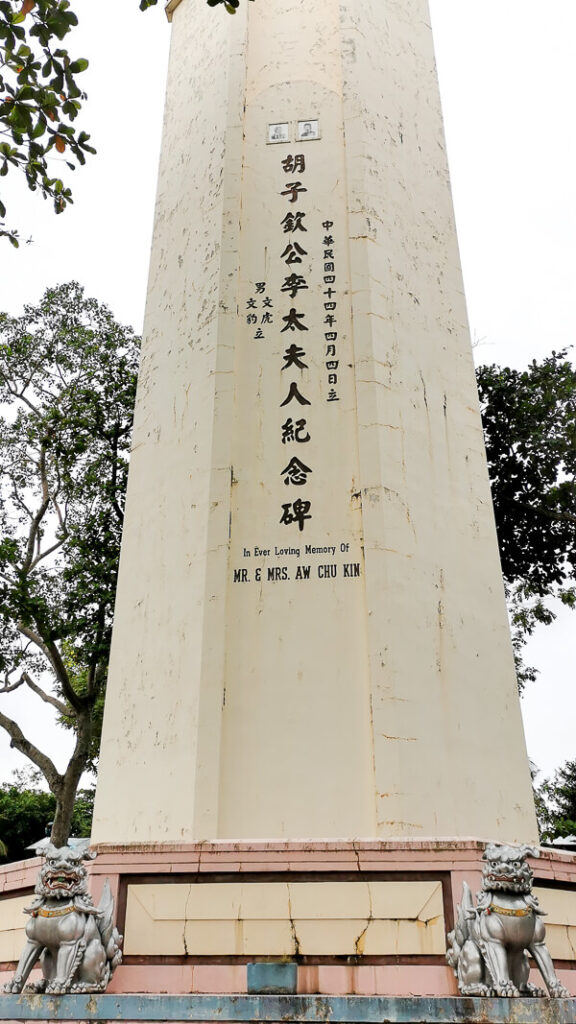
76,943
490,943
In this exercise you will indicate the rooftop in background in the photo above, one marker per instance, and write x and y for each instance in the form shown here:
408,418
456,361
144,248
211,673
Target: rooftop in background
563,843
74,844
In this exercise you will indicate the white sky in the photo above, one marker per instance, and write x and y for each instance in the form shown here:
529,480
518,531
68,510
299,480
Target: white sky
508,81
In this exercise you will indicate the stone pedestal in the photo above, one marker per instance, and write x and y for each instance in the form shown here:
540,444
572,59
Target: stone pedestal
349,919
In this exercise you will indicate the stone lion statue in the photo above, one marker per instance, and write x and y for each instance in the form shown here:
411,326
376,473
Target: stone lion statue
490,943
76,942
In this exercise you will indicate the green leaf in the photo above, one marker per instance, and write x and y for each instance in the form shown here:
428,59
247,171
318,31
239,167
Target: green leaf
78,65
39,129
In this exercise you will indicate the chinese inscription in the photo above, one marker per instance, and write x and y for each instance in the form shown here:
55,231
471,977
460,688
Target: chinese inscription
296,473
258,311
299,301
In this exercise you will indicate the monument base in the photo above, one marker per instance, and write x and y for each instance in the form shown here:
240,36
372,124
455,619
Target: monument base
330,918
266,1009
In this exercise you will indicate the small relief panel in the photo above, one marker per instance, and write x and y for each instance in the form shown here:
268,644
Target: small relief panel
279,132
307,130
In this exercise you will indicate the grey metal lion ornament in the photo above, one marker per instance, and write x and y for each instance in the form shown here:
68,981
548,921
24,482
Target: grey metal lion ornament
76,942
490,943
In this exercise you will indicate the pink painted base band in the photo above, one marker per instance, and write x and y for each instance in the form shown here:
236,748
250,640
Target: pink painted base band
224,979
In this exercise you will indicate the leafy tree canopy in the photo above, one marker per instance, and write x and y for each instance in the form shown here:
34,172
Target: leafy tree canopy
41,98
67,385
529,419
556,803
26,812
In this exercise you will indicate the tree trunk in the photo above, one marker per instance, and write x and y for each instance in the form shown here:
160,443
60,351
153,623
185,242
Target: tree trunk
63,817
66,795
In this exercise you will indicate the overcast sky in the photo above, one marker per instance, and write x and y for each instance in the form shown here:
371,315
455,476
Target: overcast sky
508,81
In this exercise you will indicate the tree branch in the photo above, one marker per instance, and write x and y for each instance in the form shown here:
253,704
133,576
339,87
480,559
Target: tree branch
8,687
19,502
61,514
566,517
51,652
48,551
62,708
26,401
19,741
35,525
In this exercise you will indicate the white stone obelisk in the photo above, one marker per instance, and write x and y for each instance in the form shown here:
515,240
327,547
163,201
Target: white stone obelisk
311,637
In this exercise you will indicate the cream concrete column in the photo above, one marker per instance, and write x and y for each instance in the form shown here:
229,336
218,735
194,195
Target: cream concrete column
311,637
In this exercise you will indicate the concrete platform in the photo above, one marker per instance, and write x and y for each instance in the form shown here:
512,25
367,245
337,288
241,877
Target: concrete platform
359,919
265,1008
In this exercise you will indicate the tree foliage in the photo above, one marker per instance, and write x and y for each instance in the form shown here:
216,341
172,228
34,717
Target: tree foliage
41,98
529,419
26,812
230,5
556,803
67,384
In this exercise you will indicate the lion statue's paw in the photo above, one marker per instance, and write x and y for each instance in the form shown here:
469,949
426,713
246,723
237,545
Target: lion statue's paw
15,986
55,987
557,991
478,989
506,989
532,990
36,986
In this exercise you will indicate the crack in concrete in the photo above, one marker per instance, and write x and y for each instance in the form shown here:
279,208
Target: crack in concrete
360,942
295,938
425,395
569,937
185,922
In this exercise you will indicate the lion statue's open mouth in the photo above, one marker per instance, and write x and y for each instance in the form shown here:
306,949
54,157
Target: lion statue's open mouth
67,885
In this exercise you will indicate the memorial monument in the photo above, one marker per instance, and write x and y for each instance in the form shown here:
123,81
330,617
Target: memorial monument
310,626
312,725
